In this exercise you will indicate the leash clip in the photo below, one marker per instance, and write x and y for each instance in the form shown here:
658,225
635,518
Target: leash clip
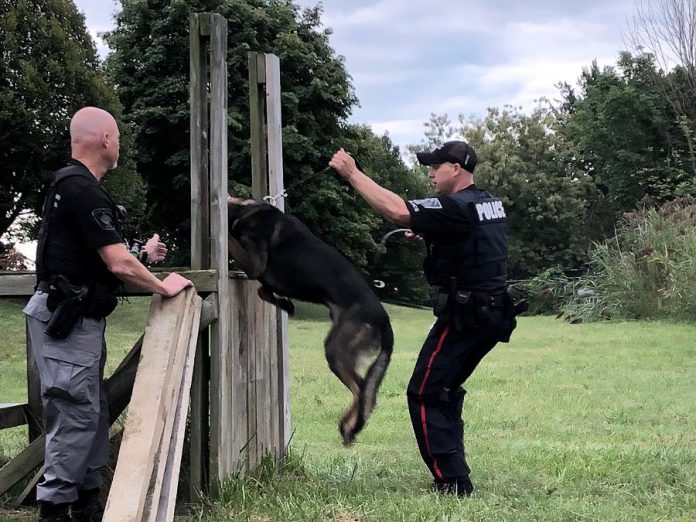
272,199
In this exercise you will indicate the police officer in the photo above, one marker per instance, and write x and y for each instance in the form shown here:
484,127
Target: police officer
464,229
81,261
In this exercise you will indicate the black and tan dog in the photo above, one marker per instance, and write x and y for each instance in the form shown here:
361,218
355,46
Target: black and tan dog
292,263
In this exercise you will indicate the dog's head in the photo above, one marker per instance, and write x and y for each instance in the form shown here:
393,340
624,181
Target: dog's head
236,207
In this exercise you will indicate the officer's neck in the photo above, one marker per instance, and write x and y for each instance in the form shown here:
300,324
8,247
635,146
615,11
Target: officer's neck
95,167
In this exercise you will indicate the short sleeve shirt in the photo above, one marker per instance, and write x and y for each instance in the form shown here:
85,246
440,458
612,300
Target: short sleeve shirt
439,219
83,219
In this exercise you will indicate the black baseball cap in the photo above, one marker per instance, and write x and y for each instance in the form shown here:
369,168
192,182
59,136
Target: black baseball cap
452,151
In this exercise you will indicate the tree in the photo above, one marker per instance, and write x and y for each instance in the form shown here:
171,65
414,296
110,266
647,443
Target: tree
665,30
149,66
48,69
524,161
627,136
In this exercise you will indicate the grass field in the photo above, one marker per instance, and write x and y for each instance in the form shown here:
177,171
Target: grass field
566,422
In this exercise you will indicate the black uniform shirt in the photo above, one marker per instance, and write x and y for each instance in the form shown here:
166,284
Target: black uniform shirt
83,219
439,219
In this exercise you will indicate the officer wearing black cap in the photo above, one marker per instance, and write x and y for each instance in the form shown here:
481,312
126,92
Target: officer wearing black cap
464,229
81,259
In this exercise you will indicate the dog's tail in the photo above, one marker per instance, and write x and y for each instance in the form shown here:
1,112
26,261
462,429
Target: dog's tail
374,376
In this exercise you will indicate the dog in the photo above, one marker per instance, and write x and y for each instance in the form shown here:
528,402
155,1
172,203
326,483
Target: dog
292,263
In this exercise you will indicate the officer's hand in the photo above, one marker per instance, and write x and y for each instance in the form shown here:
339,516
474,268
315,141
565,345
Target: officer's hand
156,249
173,284
343,163
412,236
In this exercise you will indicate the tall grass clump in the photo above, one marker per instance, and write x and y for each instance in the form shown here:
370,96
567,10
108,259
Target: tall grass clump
646,271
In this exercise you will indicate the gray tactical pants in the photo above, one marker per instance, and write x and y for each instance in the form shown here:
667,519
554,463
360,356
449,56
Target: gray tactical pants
76,412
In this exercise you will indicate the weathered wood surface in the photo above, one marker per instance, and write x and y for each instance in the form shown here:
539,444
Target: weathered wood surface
220,421
14,284
169,322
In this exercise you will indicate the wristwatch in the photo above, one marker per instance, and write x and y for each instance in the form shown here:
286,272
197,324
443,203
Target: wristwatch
143,256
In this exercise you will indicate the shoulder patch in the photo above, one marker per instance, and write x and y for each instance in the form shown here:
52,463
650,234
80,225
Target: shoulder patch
104,218
425,203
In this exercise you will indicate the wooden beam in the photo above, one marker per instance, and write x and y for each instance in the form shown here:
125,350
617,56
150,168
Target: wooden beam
22,285
257,124
279,356
12,415
220,454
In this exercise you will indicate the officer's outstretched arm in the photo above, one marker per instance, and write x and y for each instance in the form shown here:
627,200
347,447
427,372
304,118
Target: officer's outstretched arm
129,270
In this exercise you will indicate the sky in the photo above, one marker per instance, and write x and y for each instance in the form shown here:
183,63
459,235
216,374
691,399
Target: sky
411,58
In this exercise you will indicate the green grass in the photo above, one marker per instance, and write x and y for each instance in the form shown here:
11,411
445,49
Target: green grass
566,422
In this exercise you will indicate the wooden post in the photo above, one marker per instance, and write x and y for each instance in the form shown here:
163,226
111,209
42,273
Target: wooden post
220,367
199,38
34,409
267,179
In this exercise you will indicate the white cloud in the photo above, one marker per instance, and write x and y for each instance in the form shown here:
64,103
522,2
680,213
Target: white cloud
409,58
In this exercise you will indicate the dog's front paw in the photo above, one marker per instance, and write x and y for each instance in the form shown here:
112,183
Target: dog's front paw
287,305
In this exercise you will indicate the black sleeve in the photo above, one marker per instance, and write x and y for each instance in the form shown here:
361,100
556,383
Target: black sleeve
439,218
93,212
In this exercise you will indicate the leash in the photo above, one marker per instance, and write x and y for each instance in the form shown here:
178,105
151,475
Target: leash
284,191
378,283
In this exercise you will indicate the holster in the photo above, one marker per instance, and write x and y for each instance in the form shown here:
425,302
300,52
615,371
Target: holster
67,302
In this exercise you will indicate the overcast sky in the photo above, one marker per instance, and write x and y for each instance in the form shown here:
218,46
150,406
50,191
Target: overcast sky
411,58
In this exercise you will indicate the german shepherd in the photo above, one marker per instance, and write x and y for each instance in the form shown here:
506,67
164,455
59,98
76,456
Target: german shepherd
291,263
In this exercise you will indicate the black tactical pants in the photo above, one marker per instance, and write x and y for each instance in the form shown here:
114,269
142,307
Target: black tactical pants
435,396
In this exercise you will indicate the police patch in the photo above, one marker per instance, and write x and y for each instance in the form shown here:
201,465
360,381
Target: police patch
104,218
425,203
490,210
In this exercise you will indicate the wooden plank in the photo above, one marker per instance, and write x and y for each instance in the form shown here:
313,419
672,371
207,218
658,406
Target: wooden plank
22,465
238,361
220,439
12,415
172,468
17,284
200,405
175,384
200,246
280,367
250,331
200,212
257,125
28,494
22,285
34,411
172,388
146,413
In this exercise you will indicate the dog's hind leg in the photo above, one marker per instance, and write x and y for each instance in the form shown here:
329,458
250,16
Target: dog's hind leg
283,303
343,347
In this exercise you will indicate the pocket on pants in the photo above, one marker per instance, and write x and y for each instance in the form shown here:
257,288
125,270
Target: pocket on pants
71,365
36,307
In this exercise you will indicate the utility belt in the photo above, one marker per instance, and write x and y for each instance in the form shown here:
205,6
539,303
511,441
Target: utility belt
69,302
473,309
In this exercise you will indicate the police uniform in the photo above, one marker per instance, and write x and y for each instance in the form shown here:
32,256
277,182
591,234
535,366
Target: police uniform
465,235
79,217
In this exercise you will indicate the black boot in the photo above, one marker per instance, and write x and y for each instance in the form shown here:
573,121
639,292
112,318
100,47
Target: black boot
87,507
49,512
462,486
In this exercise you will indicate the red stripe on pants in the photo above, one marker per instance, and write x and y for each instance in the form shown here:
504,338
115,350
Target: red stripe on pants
438,473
